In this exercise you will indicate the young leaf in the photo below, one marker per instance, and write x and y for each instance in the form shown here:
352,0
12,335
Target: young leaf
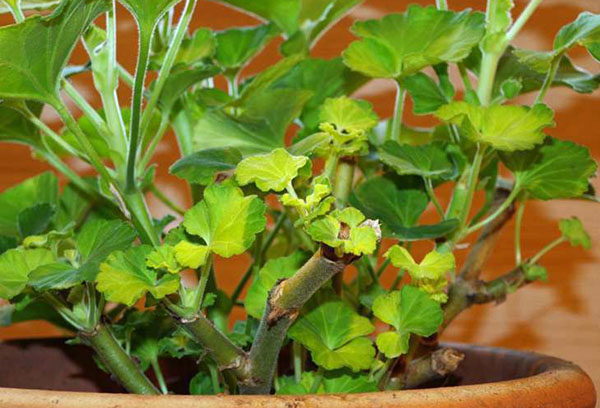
409,311
163,258
572,229
347,230
99,238
191,255
535,273
273,271
402,44
557,169
334,334
36,190
226,220
334,382
429,160
236,46
200,167
178,83
15,267
23,74
272,171
430,274
124,277
201,45
346,118
504,127
434,265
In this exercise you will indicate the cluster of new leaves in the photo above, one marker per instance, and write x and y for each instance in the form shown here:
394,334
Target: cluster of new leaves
346,180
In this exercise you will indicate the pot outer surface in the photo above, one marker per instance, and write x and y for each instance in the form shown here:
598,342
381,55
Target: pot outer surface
49,373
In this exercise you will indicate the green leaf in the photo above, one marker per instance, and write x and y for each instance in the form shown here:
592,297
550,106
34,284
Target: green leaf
201,384
163,258
200,167
15,128
273,271
347,230
325,79
226,220
334,334
341,381
31,5
179,82
511,67
55,276
191,255
23,73
124,277
350,118
399,45
429,160
433,265
409,311
585,30
36,190
426,94
236,46
380,198
557,169
504,127
201,45
572,229
272,171
36,219
99,238
7,243
15,267
284,13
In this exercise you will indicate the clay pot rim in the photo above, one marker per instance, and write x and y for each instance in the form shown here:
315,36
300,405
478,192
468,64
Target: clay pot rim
551,380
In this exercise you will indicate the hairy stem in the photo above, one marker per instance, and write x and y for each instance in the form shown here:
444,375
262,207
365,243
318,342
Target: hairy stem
549,79
344,177
433,197
398,113
16,11
283,306
136,108
118,362
518,223
522,20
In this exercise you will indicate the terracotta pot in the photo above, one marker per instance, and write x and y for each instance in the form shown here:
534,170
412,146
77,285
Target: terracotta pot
47,373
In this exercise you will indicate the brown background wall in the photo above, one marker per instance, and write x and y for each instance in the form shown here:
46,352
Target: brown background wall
561,317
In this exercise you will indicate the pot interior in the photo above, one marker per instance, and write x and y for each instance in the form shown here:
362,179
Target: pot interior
50,364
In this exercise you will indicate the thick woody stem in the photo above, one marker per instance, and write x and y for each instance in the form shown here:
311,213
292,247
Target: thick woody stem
486,242
476,261
468,293
284,304
218,347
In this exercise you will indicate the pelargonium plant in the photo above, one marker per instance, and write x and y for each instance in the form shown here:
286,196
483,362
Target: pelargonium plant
348,189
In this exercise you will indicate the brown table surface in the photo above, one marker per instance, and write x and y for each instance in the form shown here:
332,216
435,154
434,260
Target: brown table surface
561,317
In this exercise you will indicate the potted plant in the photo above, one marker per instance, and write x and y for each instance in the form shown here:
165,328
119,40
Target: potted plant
348,189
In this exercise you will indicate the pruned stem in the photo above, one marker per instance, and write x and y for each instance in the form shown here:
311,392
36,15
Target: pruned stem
431,367
283,306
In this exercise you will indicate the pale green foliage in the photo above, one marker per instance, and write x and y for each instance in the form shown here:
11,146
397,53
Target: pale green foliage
124,277
191,255
272,171
346,230
572,229
409,311
504,127
334,333
163,258
429,274
15,267
226,220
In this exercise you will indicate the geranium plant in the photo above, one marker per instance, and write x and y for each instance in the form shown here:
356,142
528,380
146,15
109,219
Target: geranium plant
348,188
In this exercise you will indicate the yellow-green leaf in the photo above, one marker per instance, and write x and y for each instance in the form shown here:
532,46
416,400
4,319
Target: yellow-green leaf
271,171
